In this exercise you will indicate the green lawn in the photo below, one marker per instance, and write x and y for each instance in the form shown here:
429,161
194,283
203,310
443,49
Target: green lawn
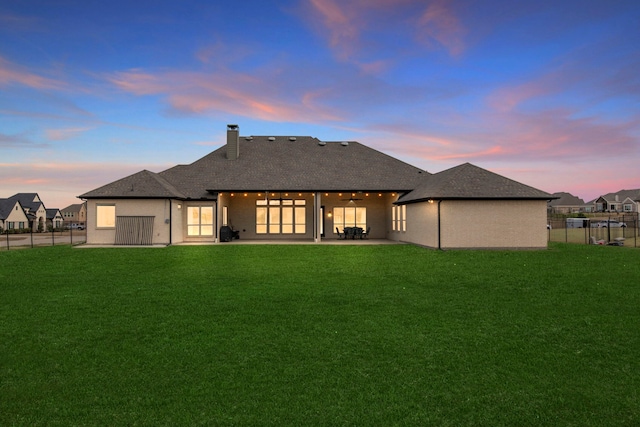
320,335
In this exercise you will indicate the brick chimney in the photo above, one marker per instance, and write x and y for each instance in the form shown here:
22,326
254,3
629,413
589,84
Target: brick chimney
233,142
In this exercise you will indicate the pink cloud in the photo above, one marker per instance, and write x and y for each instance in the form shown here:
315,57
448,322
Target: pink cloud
440,24
136,82
234,93
64,134
11,74
352,29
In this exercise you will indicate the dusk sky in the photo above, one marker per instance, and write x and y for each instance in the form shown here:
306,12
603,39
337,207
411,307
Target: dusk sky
543,92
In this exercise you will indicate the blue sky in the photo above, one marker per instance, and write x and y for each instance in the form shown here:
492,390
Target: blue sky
543,92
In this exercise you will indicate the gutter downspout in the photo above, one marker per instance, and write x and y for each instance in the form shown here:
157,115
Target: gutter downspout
439,228
170,222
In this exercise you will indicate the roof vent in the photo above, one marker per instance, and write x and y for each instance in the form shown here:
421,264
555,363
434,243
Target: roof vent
248,138
344,143
322,143
272,138
292,138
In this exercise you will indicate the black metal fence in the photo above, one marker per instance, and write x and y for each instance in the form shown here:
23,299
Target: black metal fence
11,239
620,230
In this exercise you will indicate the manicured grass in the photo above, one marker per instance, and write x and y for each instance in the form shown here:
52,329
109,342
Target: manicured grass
320,335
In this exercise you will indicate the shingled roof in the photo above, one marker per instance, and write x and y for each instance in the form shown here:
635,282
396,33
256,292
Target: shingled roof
6,207
468,181
566,199
279,163
141,185
29,201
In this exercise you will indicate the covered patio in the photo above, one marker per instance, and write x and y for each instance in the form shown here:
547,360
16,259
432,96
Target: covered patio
313,217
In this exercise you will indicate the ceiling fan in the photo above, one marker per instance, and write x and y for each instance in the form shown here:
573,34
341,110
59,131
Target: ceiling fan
351,199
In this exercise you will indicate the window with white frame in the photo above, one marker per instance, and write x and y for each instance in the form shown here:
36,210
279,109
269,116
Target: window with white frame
200,221
105,216
394,218
225,215
399,218
349,216
277,216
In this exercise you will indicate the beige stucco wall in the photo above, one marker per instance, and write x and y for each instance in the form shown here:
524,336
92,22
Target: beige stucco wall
17,216
422,225
478,224
159,209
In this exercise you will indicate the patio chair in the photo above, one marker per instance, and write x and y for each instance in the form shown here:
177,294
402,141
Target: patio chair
340,235
365,234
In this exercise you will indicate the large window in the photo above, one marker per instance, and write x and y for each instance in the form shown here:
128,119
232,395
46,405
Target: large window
105,216
399,218
200,221
349,216
281,216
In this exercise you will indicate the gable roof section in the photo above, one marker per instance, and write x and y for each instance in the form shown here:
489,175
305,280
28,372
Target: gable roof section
566,199
76,207
52,213
29,201
468,181
7,206
282,164
141,185
303,164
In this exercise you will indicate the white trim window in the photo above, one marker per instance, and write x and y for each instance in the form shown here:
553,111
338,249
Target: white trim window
105,216
349,216
199,221
399,218
277,216
225,215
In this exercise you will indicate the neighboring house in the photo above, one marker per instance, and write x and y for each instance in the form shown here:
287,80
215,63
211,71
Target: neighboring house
34,208
54,218
301,188
565,203
75,214
12,215
623,201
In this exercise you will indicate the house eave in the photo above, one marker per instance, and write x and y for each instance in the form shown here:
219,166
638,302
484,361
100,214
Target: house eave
436,198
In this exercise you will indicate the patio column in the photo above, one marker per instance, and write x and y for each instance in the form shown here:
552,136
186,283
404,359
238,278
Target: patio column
317,217
217,221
